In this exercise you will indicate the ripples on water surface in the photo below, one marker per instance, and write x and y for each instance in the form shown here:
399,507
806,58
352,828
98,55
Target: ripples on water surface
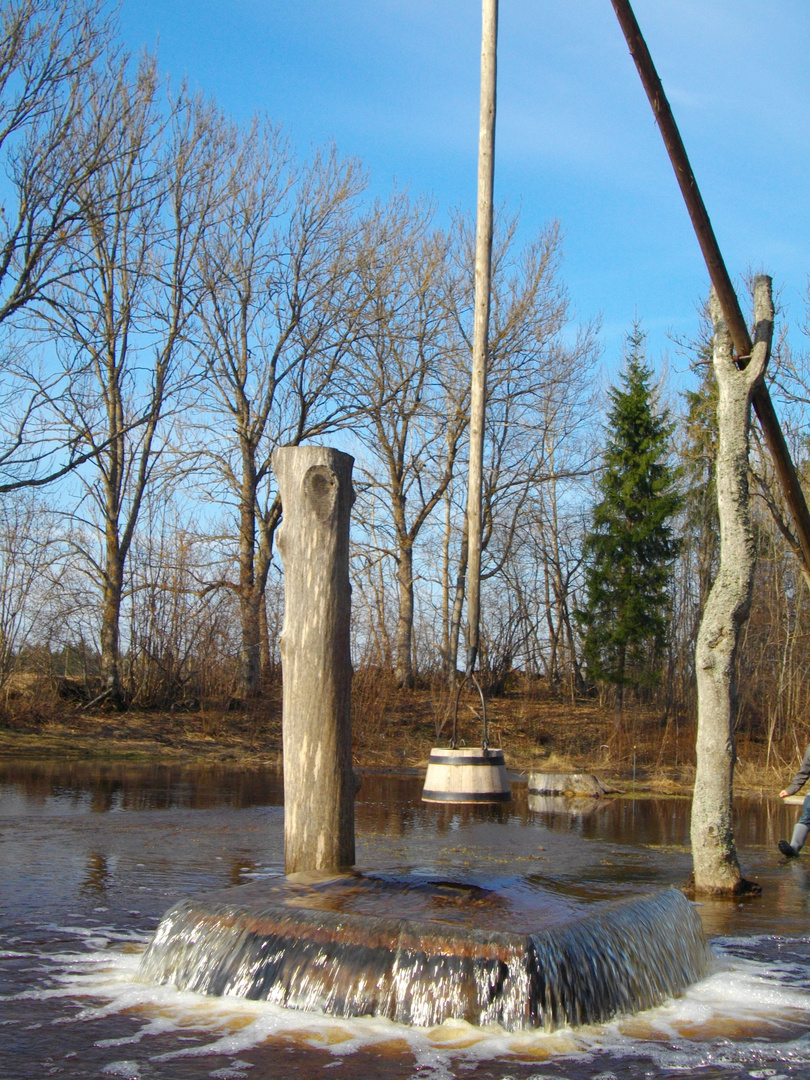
92,857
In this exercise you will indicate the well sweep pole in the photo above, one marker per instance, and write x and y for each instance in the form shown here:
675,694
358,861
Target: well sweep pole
483,261
740,336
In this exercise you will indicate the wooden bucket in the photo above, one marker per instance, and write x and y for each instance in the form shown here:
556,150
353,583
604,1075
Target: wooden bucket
469,775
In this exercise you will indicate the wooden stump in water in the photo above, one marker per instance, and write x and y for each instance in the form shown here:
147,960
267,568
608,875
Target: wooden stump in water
571,784
315,485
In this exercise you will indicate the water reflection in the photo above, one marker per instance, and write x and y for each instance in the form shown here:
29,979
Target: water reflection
97,873
104,788
386,804
243,868
582,850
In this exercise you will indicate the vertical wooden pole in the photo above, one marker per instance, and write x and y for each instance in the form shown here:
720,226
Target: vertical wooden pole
315,485
483,261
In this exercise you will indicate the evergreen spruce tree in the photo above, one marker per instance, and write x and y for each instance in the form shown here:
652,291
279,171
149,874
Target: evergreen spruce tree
698,453
630,548
699,523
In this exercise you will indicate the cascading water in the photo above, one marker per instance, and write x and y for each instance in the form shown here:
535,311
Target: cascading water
294,951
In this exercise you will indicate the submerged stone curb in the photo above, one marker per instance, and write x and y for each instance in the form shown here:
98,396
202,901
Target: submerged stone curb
623,957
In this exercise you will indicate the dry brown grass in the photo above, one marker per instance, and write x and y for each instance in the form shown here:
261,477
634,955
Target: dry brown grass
393,728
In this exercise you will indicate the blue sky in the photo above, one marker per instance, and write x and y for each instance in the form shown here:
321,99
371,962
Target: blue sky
396,83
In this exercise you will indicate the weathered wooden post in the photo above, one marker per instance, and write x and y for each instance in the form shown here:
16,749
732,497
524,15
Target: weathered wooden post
483,279
315,485
717,869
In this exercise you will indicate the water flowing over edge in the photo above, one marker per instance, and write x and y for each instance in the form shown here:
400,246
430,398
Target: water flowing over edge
623,957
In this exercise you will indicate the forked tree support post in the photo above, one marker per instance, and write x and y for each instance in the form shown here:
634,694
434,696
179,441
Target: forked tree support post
315,486
716,866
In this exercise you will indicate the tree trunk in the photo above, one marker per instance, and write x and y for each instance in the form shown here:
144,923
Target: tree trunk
264,636
618,701
250,602
315,485
716,867
266,524
249,599
404,663
110,624
458,607
446,539
618,707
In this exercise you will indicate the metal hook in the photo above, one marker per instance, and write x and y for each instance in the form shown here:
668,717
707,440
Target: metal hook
470,675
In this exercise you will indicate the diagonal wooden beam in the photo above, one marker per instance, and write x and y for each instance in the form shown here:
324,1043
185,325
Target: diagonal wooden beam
740,336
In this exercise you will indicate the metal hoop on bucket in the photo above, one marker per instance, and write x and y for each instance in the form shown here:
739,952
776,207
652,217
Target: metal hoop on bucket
466,774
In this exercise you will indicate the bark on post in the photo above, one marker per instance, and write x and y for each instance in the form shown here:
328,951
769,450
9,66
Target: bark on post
716,867
315,485
111,621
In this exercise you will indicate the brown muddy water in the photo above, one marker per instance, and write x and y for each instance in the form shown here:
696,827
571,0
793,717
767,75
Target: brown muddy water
91,857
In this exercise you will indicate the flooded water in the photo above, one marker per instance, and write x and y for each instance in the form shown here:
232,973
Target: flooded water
91,857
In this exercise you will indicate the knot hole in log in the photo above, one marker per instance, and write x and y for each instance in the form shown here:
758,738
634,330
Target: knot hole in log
321,490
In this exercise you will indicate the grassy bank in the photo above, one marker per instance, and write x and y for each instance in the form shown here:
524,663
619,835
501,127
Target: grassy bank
395,729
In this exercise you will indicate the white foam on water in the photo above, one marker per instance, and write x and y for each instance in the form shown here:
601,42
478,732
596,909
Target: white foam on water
129,1070
747,1011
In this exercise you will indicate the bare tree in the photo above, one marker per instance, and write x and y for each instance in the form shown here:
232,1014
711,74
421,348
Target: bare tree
279,313
558,532
120,319
28,550
413,394
538,391
48,50
181,636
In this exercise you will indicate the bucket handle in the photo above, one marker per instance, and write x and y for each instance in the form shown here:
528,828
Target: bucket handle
482,715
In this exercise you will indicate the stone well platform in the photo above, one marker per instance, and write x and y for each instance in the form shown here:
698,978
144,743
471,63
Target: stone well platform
422,951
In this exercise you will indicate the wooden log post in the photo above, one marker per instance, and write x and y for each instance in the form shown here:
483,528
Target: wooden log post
716,867
483,285
315,486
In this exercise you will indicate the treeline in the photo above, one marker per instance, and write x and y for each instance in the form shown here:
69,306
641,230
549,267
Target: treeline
179,295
